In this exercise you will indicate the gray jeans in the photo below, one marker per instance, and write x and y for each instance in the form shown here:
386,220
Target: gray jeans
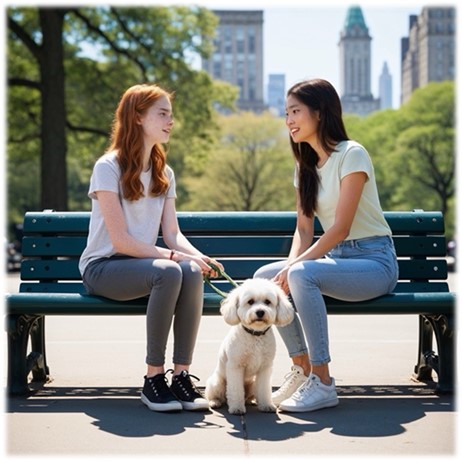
174,293
354,270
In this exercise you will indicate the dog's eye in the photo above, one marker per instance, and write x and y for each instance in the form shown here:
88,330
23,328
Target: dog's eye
267,302
251,301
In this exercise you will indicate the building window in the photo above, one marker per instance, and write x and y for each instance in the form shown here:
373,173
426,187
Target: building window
240,40
251,40
217,70
228,39
228,68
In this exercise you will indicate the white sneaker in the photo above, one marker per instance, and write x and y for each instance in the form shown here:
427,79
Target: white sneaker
294,379
312,395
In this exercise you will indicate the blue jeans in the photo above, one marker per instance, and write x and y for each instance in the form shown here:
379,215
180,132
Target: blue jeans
354,270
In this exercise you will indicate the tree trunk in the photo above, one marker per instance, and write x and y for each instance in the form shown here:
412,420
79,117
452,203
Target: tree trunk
53,134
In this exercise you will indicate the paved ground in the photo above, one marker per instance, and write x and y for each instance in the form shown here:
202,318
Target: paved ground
92,406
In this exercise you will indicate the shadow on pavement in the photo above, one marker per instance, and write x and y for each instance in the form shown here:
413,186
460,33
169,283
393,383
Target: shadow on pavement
366,411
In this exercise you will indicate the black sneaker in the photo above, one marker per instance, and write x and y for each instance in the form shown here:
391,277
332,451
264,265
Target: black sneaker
157,395
187,393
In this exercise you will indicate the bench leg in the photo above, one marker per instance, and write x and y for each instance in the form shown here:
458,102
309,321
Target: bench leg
19,328
442,326
38,364
423,370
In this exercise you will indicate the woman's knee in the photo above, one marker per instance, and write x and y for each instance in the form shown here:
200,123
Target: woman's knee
168,273
191,273
261,273
301,274
269,271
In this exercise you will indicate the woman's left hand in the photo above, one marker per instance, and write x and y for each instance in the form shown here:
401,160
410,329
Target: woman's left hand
282,280
212,273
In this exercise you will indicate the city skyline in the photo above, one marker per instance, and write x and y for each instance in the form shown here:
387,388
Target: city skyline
289,48
387,25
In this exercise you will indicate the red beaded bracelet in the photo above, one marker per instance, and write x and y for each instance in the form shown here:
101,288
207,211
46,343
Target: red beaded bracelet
171,254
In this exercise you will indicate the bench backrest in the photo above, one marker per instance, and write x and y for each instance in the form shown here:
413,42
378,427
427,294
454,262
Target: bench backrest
242,241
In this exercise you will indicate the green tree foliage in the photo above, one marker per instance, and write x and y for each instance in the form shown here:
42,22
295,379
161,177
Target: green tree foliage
378,133
67,68
251,167
425,148
413,150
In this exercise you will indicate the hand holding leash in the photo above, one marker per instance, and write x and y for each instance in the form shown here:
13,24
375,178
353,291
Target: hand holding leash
223,274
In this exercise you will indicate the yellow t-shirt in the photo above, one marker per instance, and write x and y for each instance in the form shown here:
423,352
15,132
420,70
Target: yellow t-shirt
349,157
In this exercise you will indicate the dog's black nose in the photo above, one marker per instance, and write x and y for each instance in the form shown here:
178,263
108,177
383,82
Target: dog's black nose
260,313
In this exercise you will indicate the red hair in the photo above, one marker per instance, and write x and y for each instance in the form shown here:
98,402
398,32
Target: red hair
127,141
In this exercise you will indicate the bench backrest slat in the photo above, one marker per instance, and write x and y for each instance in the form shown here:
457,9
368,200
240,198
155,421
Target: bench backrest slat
416,222
227,246
235,267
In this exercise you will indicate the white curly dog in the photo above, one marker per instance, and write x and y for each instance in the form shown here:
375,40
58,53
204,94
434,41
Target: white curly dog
246,355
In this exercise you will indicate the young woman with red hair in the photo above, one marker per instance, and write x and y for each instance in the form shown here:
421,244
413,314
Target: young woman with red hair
133,194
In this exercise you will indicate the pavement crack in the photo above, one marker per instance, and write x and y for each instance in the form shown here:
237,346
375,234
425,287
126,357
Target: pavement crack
245,436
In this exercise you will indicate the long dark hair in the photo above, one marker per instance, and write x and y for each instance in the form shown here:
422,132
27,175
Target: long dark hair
319,95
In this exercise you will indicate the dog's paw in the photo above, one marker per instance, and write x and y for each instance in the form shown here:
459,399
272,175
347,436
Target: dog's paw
215,404
267,407
237,410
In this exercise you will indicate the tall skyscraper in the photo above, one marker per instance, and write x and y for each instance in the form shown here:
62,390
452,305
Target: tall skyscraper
355,65
238,55
385,88
428,54
276,93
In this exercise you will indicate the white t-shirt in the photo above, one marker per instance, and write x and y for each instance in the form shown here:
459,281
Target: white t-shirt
349,157
143,216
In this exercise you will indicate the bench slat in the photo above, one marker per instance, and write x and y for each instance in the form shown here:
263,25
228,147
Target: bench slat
416,222
225,286
236,268
77,304
226,246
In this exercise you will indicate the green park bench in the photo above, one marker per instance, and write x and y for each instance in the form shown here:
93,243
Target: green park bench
243,242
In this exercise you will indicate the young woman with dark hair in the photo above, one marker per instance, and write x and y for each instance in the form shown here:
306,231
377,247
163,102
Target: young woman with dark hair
353,260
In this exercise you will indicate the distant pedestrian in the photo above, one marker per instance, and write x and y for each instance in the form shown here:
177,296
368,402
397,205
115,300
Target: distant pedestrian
353,260
133,193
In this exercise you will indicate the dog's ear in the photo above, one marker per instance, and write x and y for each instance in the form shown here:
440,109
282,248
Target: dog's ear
229,307
284,309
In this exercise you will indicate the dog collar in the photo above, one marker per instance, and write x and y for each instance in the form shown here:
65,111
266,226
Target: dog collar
256,332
